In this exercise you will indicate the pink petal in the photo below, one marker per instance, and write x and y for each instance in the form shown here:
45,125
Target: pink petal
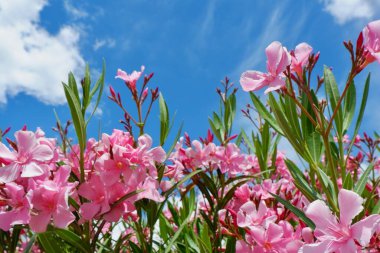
302,52
319,247
158,154
253,80
274,233
42,153
10,172
363,230
115,213
38,223
26,140
321,215
32,170
89,210
14,217
62,217
278,58
121,75
6,154
242,247
374,27
245,210
274,55
350,205
276,84
145,140
347,247
258,234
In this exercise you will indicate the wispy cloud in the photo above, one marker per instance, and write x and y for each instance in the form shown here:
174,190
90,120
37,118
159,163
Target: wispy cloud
108,43
75,12
255,53
34,61
347,10
207,22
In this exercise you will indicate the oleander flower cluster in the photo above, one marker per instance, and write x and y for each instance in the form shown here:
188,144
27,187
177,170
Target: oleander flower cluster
233,191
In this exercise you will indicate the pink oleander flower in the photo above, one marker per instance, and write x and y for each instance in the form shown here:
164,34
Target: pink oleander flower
248,215
230,159
96,192
29,159
300,57
14,198
50,202
278,60
271,239
130,79
340,236
371,35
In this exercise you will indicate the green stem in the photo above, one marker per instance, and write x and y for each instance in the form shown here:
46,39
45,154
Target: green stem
330,163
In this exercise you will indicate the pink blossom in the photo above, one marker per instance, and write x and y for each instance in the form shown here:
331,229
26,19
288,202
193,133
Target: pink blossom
270,239
150,190
50,202
300,57
278,60
248,215
14,198
371,35
340,236
96,192
230,159
29,159
130,79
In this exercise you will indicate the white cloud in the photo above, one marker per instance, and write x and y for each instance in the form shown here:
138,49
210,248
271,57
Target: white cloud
108,42
347,10
33,61
75,12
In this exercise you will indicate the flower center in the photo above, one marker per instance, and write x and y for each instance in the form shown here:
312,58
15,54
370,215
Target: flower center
119,165
24,158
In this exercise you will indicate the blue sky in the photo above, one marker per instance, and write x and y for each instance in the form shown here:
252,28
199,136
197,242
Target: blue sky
189,45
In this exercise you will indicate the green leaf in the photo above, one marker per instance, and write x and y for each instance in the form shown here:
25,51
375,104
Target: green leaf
231,245
349,106
99,87
73,239
327,183
215,130
209,183
247,141
315,146
361,112
287,130
164,119
75,110
169,247
175,141
376,208
301,215
361,183
73,86
262,110
300,181
86,90
134,247
205,238
348,182
49,243
333,96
